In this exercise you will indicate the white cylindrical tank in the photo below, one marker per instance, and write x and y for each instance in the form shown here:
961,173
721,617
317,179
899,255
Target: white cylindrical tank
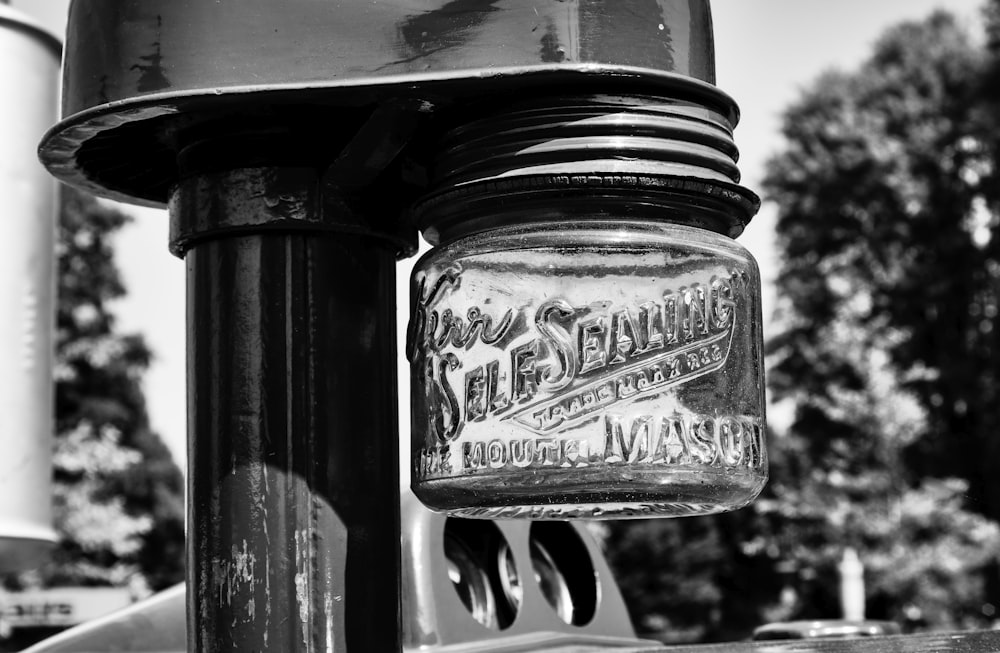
29,85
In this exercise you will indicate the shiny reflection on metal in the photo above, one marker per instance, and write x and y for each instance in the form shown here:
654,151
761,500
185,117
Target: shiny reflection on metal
139,70
471,583
564,569
121,50
551,580
587,149
29,74
435,618
293,486
292,200
483,571
467,569
531,137
825,628
510,579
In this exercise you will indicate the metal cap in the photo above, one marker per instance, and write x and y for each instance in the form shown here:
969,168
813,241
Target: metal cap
138,72
572,152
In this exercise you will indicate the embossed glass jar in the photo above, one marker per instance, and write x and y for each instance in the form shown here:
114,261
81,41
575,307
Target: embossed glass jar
585,370
586,346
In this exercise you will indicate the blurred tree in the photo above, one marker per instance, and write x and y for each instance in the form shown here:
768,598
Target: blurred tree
118,494
888,292
887,356
695,579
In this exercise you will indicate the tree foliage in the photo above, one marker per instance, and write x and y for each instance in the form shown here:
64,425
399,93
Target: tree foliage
887,356
118,496
889,291
695,579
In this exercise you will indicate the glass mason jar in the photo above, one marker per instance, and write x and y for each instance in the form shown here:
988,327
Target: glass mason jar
587,368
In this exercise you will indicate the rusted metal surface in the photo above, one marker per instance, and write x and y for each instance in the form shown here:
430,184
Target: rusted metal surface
293,471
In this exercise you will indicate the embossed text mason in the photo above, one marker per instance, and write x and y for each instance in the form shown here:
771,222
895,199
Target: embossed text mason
590,370
585,337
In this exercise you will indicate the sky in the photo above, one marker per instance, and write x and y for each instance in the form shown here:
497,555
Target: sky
767,51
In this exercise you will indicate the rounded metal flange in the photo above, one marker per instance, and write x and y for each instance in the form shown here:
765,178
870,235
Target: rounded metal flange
139,71
128,150
274,199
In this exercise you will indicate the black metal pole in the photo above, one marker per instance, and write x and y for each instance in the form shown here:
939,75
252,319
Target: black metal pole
292,437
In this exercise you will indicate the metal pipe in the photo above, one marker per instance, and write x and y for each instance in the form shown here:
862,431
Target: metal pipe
292,449
29,70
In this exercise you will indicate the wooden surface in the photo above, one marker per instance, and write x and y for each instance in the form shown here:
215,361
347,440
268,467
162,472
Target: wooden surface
965,642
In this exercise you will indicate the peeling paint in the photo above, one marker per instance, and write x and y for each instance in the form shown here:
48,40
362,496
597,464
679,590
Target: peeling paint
267,595
303,568
234,575
255,477
302,596
328,611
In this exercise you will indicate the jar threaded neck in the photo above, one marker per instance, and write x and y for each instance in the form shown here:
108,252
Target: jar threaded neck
650,151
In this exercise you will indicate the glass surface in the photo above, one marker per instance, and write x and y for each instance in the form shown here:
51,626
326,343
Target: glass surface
587,370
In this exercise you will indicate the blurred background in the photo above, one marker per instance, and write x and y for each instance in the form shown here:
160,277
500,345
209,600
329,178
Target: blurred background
871,131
